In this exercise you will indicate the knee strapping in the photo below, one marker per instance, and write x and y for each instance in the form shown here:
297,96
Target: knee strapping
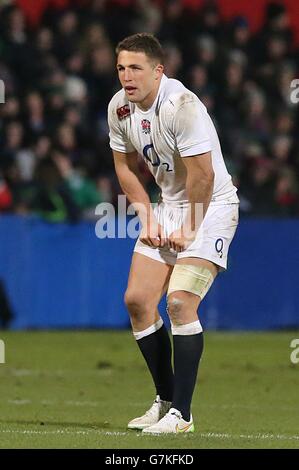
190,278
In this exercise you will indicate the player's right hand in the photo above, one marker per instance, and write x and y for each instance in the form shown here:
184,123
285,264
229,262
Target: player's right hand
153,236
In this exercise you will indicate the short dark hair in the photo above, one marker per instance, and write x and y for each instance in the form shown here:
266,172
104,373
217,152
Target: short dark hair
142,42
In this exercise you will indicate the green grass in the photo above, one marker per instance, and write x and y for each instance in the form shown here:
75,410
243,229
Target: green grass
79,390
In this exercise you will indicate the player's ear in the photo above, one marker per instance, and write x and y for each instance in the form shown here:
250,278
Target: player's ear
159,70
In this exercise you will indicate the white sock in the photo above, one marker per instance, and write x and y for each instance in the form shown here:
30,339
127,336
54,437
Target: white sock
148,331
188,329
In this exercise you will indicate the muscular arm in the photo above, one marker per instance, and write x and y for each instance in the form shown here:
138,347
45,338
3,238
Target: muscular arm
126,167
199,186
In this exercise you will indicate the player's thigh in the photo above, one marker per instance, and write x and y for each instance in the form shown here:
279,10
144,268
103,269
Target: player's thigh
148,280
194,261
191,300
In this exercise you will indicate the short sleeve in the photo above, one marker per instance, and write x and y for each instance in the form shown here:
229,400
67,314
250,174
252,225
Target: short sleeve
191,130
118,140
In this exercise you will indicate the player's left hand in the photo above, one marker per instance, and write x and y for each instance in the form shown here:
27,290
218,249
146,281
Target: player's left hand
178,241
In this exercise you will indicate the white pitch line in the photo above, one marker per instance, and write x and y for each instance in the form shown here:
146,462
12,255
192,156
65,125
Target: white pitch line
213,435
64,431
242,436
249,436
25,431
81,403
19,402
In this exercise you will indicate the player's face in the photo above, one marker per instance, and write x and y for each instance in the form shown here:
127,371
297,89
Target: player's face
139,77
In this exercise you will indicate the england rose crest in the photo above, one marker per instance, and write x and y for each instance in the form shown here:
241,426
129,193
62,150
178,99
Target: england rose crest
146,126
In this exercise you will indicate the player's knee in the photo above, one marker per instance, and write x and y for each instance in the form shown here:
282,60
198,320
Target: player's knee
131,299
136,303
175,308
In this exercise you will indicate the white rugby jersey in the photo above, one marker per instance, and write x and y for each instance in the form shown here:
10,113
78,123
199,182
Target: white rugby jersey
176,126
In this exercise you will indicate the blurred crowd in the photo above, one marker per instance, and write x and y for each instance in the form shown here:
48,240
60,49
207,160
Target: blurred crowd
59,77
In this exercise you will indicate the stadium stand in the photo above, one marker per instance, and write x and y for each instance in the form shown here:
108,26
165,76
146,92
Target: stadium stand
57,63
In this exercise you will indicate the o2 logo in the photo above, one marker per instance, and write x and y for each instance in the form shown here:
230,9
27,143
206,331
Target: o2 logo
153,158
150,155
219,246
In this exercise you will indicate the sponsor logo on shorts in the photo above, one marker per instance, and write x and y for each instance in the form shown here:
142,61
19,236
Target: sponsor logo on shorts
219,247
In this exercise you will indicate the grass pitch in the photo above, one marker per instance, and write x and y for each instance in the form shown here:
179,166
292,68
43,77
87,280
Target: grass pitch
79,390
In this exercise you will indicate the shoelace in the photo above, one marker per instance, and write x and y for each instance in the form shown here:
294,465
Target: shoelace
171,415
176,413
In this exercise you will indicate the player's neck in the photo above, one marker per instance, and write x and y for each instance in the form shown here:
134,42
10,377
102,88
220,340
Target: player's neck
149,100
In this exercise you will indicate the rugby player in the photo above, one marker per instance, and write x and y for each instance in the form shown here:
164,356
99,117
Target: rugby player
178,252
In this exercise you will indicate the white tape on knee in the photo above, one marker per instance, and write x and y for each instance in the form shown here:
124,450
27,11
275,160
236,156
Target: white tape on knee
148,331
186,330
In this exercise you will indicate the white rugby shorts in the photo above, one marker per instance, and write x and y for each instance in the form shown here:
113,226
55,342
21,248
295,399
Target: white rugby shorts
212,240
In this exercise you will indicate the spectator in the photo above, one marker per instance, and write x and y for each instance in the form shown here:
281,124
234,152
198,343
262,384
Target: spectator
286,193
52,199
59,77
83,191
5,195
